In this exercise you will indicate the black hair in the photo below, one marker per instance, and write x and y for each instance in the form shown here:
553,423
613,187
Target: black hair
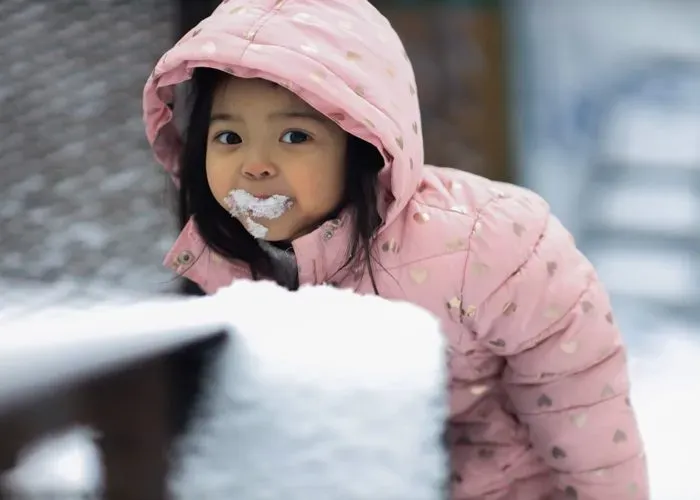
227,236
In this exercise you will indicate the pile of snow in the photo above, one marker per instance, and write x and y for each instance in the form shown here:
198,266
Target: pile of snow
320,388
314,390
316,397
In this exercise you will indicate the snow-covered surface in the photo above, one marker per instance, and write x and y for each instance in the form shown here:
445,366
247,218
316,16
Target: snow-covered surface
664,376
63,345
315,396
318,398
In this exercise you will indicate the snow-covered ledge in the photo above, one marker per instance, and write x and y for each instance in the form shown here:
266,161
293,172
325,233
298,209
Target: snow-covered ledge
317,394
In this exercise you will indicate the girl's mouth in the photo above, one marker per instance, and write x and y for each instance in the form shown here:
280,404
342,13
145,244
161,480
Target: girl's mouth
263,207
245,207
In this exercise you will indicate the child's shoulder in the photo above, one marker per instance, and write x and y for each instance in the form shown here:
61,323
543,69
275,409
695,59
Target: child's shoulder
457,220
463,198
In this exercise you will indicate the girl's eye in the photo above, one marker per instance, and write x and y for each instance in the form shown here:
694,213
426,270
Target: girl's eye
295,137
228,138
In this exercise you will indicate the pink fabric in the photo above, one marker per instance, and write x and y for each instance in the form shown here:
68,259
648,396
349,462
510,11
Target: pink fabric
539,389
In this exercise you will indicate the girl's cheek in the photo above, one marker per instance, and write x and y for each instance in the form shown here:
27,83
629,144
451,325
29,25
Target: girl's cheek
218,183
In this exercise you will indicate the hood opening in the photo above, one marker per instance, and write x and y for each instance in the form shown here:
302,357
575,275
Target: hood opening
325,53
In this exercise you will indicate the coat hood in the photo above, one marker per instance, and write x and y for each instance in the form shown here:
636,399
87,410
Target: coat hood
342,57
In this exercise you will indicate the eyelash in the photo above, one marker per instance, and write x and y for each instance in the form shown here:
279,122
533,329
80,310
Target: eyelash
296,131
221,134
218,136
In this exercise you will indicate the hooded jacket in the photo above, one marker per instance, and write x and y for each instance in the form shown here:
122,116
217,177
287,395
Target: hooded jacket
539,386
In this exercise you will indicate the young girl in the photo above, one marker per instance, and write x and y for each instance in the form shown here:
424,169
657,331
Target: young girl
302,163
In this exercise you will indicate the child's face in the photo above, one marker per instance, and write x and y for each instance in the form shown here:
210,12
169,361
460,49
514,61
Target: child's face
266,141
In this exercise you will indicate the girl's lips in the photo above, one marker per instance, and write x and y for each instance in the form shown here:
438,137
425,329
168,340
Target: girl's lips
267,196
264,206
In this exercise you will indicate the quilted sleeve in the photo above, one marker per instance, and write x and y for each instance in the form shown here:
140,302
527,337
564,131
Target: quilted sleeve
566,369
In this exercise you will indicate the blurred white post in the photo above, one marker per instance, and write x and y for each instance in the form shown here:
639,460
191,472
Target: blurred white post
58,347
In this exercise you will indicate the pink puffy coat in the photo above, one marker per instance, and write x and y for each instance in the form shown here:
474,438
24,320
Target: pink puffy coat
539,388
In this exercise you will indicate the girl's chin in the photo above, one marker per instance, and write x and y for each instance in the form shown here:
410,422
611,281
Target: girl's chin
263,230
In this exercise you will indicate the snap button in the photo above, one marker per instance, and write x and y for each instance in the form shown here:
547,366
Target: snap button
185,258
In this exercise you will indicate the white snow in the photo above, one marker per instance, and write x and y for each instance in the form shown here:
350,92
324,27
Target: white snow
62,466
246,206
62,345
317,397
326,392
665,377
312,392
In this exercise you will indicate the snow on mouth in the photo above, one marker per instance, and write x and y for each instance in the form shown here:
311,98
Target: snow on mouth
246,207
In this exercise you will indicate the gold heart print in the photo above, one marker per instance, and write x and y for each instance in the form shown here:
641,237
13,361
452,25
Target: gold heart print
479,269
579,420
390,246
607,391
509,308
619,437
569,347
552,312
470,311
544,401
456,244
418,275
454,303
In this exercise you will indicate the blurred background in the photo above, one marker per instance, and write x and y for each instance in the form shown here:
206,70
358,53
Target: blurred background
595,105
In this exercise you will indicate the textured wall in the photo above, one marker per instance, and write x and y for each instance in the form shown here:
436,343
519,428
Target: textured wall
80,195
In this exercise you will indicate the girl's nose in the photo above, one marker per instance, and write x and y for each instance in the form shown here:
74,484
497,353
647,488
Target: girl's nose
256,171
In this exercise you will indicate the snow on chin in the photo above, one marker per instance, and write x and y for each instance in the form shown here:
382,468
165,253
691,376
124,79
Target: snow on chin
256,229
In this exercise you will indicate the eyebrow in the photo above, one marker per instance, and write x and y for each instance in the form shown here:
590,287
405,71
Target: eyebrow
309,115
